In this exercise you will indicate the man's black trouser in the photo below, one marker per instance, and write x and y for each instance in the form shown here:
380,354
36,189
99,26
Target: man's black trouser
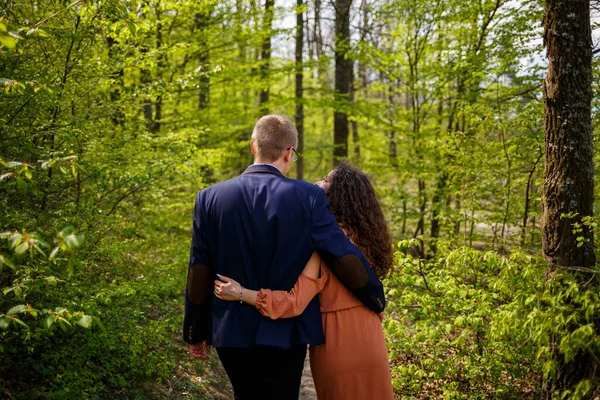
265,373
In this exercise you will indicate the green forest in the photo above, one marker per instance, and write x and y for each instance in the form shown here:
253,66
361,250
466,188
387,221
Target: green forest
476,121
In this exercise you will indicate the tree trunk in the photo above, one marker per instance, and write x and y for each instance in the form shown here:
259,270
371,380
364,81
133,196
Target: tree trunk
317,34
117,116
202,22
159,69
343,76
299,87
568,185
265,56
353,123
393,151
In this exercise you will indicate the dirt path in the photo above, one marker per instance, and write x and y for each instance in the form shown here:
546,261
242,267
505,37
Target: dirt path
307,386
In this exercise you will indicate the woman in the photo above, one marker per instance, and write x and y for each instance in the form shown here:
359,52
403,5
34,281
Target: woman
353,363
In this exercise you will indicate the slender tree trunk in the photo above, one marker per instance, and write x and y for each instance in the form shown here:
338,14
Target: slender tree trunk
436,205
317,35
159,69
115,93
343,76
393,151
265,56
146,79
299,87
202,22
528,199
353,123
568,185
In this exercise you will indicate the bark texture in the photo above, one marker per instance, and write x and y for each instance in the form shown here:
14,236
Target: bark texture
265,56
343,77
299,87
568,186
202,23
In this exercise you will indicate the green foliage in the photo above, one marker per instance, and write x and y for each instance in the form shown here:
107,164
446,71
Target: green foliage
473,324
114,114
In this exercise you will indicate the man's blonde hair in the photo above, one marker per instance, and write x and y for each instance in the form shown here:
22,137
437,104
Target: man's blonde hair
272,135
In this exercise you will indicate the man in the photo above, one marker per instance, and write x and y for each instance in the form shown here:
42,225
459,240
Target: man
261,229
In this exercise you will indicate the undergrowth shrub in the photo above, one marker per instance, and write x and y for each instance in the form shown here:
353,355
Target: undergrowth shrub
474,325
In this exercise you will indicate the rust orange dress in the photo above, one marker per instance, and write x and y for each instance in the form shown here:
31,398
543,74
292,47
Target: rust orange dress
353,363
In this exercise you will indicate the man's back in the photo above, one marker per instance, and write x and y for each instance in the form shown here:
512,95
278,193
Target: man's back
258,232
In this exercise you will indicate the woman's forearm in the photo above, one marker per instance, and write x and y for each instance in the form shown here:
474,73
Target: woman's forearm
249,296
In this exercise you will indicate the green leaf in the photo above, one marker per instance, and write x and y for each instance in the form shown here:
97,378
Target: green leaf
7,41
54,252
73,241
51,280
85,321
22,248
66,231
49,321
4,260
21,308
3,323
100,324
22,184
18,321
7,176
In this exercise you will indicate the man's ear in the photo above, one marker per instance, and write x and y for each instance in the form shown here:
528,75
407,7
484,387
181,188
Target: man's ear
287,156
252,147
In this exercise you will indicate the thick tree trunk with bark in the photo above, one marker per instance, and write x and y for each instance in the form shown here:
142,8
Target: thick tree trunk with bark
343,78
568,185
265,56
299,87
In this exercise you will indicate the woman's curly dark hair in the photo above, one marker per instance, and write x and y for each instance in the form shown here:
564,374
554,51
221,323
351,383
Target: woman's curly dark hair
356,208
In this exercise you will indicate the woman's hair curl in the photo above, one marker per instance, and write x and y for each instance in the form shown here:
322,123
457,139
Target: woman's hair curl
356,208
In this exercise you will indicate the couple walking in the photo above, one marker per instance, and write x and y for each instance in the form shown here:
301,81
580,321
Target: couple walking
273,270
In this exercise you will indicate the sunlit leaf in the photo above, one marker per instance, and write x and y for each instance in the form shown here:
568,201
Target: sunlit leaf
17,309
7,41
74,241
4,260
49,320
66,231
54,253
22,248
85,321
51,280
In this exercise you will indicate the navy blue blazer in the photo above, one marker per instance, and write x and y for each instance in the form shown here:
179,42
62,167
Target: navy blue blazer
261,229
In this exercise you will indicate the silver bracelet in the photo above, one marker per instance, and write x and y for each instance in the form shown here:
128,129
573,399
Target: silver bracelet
241,288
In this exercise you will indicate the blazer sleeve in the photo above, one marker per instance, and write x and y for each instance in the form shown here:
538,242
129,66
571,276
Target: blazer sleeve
343,258
197,317
276,304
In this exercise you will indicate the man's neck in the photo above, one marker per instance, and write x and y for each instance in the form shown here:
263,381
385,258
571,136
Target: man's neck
277,164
